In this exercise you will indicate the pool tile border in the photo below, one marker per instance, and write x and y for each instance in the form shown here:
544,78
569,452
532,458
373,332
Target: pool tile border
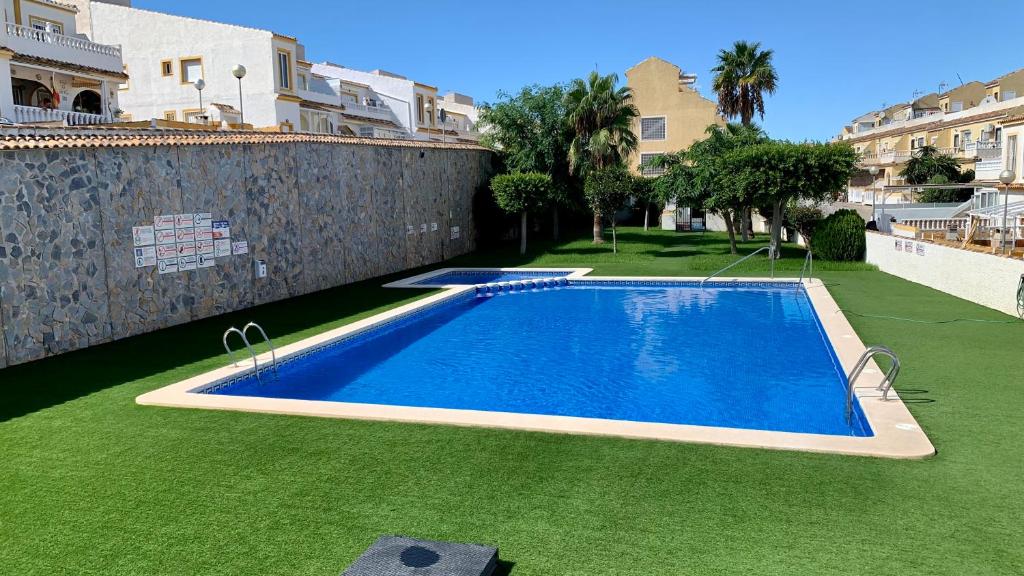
896,432
414,281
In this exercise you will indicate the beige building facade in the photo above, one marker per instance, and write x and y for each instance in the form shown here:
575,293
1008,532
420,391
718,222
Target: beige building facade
673,115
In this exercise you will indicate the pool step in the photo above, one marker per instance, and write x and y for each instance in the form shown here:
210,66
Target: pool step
517,285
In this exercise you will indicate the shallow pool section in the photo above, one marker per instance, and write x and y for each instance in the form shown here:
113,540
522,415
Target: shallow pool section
747,356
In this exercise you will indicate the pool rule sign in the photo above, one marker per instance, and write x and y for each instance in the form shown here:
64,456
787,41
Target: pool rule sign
181,242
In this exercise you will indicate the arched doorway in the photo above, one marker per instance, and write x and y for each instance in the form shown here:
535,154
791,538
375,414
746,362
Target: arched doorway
31,93
87,101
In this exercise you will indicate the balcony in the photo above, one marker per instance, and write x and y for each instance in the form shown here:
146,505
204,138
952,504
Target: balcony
31,114
375,132
72,49
369,111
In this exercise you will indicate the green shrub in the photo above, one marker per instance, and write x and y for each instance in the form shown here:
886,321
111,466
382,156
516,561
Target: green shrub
521,192
840,237
804,218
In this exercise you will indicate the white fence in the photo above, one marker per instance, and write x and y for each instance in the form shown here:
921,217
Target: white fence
985,279
30,114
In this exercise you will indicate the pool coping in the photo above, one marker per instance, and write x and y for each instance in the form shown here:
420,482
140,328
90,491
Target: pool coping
896,432
412,281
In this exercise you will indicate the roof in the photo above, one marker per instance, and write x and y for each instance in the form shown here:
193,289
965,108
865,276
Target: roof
225,108
49,62
37,138
61,5
366,120
939,124
320,106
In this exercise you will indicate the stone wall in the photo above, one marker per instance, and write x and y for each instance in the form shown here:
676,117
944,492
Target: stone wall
320,214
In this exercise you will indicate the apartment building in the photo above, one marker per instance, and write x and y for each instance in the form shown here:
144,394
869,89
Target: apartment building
278,91
973,123
673,115
52,73
382,103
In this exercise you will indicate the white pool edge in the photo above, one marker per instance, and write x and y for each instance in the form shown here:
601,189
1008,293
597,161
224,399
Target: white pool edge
896,432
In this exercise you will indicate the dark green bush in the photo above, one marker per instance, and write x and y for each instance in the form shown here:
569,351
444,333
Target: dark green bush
840,237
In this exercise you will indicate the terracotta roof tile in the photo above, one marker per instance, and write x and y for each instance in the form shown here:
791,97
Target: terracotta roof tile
35,60
29,138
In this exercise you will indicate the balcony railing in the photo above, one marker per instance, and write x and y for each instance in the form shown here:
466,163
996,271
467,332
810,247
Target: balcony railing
72,42
365,110
31,114
374,132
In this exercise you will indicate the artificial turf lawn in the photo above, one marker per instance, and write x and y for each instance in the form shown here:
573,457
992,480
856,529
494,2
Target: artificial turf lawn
91,483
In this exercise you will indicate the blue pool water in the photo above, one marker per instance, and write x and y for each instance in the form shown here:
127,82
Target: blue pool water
467,277
752,357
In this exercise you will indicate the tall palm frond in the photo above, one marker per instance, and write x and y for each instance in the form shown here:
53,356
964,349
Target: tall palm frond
742,77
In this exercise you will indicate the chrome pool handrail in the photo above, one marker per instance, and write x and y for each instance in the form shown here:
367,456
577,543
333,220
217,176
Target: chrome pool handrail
808,263
752,254
273,353
887,382
231,356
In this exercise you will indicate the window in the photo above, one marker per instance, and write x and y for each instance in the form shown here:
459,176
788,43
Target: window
166,68
366,131
652,128
999,133
956,141
303,82
1011,153
1009,95
650,170
41,24
957,106
170,115
349,98
191,70
419,108
284,69
430,113
193,116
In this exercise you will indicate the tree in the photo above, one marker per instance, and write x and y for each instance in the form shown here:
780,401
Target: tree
695,177
926,163
530,133
645,192
600,117
606,191
742,76
777,172
520,193
805,218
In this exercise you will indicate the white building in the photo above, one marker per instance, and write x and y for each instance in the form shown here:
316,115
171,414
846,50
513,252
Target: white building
165,55
415,107
52,73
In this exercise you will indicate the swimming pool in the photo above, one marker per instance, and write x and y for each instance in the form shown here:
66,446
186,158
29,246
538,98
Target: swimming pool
753,363
749,356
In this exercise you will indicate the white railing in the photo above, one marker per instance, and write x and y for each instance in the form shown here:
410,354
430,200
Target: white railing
72,42
377,111
31,114
936,224
374,132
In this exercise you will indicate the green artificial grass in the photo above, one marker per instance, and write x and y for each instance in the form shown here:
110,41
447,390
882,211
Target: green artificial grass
91,483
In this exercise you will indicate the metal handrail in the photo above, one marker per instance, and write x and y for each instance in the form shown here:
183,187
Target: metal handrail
887,382
224,340
808,263
751,255
273,353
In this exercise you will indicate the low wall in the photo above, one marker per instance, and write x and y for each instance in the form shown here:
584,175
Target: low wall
986,279
320,214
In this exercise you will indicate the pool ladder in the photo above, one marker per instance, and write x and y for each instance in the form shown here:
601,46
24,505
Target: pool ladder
252,353
740,261
884,386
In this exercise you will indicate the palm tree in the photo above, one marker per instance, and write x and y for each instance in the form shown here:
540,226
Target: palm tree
601,118
927,163
742,77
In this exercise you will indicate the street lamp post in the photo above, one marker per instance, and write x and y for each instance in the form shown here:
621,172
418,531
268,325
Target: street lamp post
239,72
873,170
200,84
1006,177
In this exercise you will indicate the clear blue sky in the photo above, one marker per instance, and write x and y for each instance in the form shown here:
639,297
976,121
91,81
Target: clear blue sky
836,59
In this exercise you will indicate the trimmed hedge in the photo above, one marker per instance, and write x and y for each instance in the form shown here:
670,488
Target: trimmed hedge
840,237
